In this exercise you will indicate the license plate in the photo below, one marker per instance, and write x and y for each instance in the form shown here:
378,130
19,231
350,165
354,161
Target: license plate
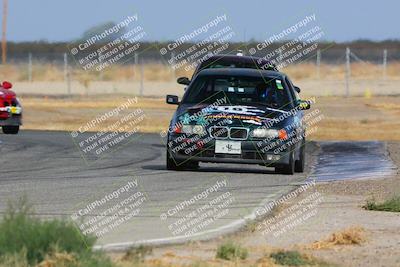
14,110
228,147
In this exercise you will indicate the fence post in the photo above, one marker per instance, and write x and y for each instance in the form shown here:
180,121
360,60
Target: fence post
141,89
134,67
66,74
30,67
100,63
348,70
279,55
136,58
384,64
65,66
173,64
318,63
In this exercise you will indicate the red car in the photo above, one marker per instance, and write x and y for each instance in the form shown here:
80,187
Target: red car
10,109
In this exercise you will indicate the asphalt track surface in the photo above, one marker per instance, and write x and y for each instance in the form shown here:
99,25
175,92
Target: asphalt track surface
352,160
48,168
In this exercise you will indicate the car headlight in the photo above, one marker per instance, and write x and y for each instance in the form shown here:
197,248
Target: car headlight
198,129
187,129
193,129
265,133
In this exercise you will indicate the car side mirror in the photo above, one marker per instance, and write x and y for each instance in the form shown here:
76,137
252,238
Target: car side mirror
183,80
172,99
6,85
304,104
297,89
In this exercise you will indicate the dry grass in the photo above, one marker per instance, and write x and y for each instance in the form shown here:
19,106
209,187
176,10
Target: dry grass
344,119
357,130
351,236
163,72
385,106
358,118
267,260
71,113
58,259
101,102
334,72
50,72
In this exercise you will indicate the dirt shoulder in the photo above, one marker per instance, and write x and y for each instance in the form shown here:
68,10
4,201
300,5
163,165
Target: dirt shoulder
361,237
342,208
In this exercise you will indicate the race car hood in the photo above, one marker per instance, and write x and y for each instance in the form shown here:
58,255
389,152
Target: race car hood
236,115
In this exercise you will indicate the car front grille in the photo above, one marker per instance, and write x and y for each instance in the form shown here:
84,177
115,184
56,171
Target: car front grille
238,133
219,132
234,133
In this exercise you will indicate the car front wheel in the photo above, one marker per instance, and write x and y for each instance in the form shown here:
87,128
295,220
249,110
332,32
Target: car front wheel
10,129
171,163
174,165
299,164
287,168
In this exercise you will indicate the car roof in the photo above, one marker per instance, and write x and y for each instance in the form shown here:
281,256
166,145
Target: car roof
259,61
241,72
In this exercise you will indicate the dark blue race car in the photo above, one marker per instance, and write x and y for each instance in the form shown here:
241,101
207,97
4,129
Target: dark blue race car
238,115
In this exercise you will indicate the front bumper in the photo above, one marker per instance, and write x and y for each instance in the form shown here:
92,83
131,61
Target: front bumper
251,153
14,120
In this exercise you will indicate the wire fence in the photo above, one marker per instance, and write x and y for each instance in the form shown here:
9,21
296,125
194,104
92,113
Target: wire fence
139,70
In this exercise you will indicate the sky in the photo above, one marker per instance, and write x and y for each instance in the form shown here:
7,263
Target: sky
341,21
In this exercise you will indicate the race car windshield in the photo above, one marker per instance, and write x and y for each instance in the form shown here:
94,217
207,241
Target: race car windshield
270,92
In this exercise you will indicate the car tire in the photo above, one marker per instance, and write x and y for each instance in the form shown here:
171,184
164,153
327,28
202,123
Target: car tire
300,163
193,165
287,168
10,129
174,165
171,163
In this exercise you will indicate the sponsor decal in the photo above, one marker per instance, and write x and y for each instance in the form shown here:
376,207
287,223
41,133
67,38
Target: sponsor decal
279,84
